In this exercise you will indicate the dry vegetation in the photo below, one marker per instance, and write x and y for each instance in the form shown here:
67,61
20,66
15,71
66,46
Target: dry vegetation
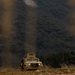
66,70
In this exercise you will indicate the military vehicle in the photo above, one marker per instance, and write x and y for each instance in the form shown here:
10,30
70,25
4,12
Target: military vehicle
31,62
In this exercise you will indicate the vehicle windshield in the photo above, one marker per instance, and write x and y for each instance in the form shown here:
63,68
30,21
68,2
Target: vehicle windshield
32,59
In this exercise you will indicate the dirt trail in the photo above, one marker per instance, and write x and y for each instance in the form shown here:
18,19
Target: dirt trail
36,72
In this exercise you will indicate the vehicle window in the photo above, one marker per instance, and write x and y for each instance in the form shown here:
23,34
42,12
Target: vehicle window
32,59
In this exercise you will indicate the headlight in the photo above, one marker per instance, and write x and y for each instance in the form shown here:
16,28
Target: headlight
39,64
29,64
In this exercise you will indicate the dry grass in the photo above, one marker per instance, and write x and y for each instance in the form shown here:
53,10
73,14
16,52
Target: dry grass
65,70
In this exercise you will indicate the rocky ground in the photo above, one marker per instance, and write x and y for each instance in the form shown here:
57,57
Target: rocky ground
46,71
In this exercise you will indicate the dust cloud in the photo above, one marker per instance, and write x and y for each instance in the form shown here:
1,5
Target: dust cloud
72,23
30,29
7,28
71,2
71,16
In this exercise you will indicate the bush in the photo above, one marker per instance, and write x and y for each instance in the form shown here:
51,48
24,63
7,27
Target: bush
59,58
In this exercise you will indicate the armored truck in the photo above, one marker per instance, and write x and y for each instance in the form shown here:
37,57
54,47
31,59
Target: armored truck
31,62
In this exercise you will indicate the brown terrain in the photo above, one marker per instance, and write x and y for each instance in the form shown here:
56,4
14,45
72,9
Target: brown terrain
47,71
